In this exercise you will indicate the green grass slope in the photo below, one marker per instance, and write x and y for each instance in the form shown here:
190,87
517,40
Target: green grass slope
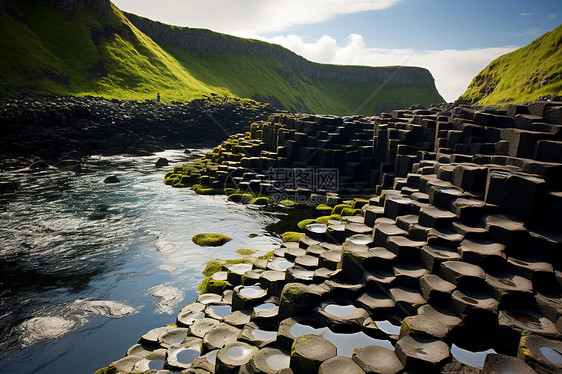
98,50
88,53
522,75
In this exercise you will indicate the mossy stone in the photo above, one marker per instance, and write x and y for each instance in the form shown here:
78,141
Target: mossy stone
305,222
324,208
210,239
339,208
351,212
262,200
292,236
244,198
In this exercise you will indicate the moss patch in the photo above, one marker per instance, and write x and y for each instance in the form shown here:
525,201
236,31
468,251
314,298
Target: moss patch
292,236
262,200
210,239
305,222
339,208
246,252
351,212
244,198
324,208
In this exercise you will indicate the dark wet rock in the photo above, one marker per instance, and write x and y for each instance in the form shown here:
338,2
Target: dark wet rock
374,359
408,275
508,289
542,354
338,365
432,257
422,354
162,161
474,304
384,327
484,253
292,253
425,326
513,323
297,297
376,304
270,360
111,179
443,315
340,287
407,300
340,316
330,259
462,274
385,230
406,250
498,363
309,352
234,356
435,290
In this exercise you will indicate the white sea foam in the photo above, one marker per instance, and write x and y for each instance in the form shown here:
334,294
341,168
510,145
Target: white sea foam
168,297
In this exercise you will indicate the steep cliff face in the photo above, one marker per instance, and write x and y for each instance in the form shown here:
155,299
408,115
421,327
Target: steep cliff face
201,42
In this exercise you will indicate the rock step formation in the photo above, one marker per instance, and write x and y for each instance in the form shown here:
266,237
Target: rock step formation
455,266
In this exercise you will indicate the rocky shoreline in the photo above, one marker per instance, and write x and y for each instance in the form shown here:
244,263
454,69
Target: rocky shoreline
438,250
42,131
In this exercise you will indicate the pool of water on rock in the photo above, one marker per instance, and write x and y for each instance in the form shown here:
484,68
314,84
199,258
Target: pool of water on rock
88,267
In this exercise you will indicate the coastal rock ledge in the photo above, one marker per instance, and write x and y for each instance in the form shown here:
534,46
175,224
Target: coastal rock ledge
453,263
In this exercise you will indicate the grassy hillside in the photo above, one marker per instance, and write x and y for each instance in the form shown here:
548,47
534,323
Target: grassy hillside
88,54
522,75
266,79
101,53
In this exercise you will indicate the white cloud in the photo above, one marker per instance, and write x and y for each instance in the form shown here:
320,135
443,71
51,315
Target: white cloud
452,69
552,16
525,14
248,17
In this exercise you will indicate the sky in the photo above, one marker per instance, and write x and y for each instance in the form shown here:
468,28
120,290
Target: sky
454,39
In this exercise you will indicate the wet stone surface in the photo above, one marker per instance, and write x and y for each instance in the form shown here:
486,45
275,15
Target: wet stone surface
454,268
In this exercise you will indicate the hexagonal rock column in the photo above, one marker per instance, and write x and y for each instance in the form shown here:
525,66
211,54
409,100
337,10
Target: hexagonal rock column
377,360
422,354
462,274
339,365
498,363
233,356
269,361
309,352
422,325
340,316
245,297
435,290
220,335
512,323
297,297
542,354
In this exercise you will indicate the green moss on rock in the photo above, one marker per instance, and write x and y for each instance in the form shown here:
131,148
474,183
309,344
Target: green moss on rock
244,198
262,200
210,239
246,251
351,212
324,208
339,208
292,236
305,222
